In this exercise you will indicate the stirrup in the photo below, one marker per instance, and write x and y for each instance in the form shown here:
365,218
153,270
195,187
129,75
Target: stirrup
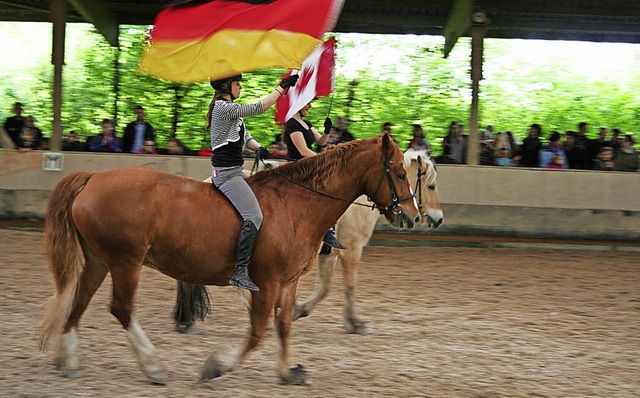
330,239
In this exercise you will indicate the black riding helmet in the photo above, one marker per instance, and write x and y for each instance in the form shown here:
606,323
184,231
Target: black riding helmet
224,85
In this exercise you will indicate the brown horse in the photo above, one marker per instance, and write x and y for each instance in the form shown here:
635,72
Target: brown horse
119,220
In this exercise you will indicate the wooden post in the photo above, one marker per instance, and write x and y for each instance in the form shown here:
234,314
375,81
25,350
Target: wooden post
59,18
477,42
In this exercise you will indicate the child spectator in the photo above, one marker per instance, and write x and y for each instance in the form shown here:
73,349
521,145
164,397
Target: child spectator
604,160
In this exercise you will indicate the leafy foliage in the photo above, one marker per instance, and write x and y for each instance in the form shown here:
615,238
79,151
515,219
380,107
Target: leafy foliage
409,82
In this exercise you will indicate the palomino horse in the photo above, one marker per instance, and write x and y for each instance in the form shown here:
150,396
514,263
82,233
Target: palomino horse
89,233
354,229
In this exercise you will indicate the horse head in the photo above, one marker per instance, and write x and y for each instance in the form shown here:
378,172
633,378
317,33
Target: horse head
420,165
391,191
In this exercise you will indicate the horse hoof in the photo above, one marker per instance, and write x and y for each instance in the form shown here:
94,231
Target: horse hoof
190,330
357,327
208,374
157,378
72,374
300,312
297,377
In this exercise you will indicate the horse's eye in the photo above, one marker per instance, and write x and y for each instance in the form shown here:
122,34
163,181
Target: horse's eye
401,177
431,187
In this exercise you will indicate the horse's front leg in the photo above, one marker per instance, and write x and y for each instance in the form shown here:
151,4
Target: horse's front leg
326,265
262,303
350,261
288,375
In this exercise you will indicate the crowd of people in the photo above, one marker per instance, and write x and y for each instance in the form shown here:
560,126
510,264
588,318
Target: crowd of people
610,150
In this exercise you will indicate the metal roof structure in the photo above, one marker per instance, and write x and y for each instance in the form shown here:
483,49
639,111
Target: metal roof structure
583,20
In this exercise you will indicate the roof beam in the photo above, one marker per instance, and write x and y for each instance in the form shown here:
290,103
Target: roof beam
98,13
457,24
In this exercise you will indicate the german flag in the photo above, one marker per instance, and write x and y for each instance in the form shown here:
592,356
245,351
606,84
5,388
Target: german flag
199,40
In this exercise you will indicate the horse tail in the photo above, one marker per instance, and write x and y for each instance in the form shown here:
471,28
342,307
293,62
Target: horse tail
192,303
64,253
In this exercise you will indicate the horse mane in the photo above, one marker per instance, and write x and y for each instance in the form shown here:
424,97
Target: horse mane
414,154
315,171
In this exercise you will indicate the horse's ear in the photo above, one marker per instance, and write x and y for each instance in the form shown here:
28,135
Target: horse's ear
387,148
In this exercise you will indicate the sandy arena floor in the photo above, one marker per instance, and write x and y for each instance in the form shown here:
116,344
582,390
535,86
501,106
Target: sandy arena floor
448,322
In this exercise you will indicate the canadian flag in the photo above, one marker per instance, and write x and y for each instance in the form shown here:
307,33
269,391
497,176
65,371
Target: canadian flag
316,80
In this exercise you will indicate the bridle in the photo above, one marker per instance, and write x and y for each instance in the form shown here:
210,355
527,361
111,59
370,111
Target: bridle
394,195
384,210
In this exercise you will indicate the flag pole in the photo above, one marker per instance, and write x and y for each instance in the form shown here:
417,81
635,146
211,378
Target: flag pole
330,104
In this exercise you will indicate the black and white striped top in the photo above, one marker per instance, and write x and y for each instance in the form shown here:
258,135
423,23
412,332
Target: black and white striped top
227,122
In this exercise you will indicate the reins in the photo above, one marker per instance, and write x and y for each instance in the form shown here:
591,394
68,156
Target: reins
382,209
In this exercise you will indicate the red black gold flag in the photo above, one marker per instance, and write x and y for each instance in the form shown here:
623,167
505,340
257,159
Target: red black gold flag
198,40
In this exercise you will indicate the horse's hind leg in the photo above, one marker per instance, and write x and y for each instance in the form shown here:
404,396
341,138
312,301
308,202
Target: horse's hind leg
350,262
125,281
91,278
326,265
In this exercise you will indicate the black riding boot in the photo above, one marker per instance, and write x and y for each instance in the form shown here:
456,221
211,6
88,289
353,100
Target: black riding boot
331,240
246,242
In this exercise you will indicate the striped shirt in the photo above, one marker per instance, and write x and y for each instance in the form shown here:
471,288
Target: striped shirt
227,122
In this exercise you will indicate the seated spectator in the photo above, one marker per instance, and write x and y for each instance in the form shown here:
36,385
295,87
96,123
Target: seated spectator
501,140
44,144
13,125
570,148
553,148
27,141
503,158
29,124
614,142
418,142
343,134
581,152
627,158
73,143
175,147
137,132
557,162
487,156
106,141
148,148
604,160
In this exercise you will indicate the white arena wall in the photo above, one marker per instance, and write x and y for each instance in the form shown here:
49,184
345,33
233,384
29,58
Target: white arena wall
568,204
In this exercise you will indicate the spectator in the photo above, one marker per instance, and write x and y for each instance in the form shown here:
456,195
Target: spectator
627,158
343,132
73,143
387,128
454,146
13,125
137,132
148,148
557,162
515,147
604,160
44,144
175,147
530,148
598,143
418,142
106,141
581,152
27,141
501,140
503,158
34,133
548,152
615,139
487,156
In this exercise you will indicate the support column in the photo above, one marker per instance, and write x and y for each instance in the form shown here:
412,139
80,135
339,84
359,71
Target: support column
59,18
478,32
